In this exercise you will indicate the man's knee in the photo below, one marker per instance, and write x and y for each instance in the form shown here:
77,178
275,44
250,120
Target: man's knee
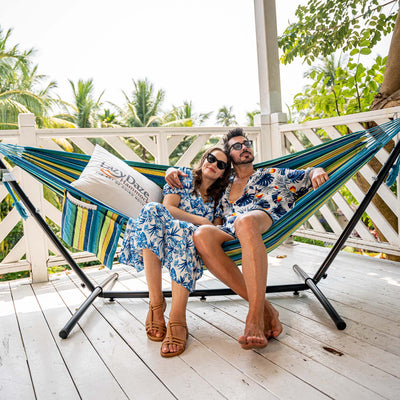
246,223
252,223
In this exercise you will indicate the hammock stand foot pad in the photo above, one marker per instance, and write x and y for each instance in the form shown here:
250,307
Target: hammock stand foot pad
310,283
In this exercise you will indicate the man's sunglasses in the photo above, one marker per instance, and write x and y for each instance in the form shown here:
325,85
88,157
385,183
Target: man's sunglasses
238,146
220,164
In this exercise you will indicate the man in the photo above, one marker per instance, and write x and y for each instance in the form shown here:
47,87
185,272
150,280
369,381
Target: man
251,204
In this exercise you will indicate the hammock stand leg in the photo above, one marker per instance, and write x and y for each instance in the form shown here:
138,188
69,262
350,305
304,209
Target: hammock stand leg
321,272
95,290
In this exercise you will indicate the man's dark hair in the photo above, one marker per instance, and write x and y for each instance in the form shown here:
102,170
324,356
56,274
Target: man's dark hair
231,134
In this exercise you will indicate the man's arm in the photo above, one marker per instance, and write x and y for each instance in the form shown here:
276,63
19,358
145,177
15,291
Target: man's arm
172,177
318,177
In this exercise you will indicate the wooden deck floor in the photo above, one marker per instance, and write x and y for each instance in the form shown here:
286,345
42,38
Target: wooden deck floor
109,357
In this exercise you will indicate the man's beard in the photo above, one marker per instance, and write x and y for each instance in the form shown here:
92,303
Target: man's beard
246,160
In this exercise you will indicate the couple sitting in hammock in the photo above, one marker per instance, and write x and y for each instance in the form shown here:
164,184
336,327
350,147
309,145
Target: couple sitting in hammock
202,210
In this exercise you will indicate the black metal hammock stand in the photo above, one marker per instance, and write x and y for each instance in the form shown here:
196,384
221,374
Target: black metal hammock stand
308,282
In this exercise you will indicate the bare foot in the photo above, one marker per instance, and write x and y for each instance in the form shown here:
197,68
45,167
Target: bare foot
272,325
253,337
178,332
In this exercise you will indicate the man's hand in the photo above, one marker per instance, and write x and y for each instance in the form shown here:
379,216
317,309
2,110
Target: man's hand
318,177
172,177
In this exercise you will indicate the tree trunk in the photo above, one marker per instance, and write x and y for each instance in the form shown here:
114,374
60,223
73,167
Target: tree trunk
389,95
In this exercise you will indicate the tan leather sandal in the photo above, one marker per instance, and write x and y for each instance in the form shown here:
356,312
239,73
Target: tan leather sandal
171,339
154,325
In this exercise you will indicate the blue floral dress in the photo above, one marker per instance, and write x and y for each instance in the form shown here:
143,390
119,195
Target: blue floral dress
171,240
273,190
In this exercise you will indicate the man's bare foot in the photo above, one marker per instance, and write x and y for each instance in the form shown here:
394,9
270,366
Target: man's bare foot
272,325
253,337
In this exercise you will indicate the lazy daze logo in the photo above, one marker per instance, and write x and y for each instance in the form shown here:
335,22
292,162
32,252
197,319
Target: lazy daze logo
126,181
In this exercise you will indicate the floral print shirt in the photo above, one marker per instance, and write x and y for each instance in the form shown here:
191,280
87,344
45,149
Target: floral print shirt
273,190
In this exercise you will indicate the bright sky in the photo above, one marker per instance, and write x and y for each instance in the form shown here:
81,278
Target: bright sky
203,51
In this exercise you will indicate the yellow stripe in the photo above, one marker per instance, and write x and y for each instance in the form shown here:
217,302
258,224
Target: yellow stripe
105,240
149,171
77,228
82,231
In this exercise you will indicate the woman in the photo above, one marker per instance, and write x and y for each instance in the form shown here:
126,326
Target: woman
162,237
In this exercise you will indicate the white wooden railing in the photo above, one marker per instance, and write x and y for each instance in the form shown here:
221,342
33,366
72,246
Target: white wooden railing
33,250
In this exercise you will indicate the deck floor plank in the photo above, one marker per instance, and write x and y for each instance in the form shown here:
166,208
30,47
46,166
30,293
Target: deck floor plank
134,377
337,376
228,380
50,376
108,355
344,341
292,346
266,373
125,315
15,380
90,373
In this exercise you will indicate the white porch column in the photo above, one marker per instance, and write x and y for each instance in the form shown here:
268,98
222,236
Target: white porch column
37,252
162,149
269,78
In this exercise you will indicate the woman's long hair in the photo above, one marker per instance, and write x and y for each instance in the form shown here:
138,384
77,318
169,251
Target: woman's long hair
217,188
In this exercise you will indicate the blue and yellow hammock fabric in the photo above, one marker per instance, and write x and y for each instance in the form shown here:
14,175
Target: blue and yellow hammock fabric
90,225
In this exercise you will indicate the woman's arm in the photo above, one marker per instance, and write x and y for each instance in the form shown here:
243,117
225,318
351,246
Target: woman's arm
171,203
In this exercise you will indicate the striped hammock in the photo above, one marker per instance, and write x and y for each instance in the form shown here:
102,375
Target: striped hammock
90,225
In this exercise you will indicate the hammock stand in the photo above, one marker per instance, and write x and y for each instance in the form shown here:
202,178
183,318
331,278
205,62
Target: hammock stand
309,283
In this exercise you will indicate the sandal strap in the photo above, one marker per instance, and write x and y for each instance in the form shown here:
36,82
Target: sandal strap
172,339
157,306
177,323
159,326
156,325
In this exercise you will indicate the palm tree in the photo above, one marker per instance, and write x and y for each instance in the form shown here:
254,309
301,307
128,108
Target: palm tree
225,117
250,117
184,116
108,119
19,93
142,110
85,106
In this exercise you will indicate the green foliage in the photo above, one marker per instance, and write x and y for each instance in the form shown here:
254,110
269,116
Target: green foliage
14,275
339,89
21,88
85,106
184,116
322,28
144,106
310,241
108,119
250,117
225,116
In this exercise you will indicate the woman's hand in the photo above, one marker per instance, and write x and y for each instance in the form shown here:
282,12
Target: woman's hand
172,177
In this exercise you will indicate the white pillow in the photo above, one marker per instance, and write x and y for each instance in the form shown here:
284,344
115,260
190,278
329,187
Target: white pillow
114,183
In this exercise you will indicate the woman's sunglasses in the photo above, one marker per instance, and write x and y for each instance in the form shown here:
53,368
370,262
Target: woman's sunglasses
220,164
238,146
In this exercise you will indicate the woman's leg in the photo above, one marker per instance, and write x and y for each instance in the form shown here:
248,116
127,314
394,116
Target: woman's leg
152,267
180,297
